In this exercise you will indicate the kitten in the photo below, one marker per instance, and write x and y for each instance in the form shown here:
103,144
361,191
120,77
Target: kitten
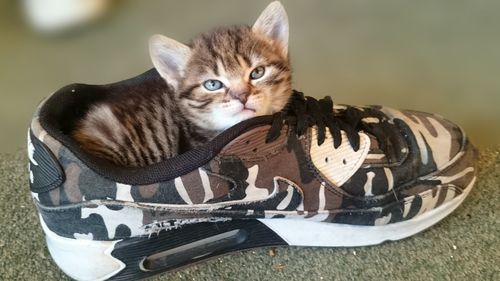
222,78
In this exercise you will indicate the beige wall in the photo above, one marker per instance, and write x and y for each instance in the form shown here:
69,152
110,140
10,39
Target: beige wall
437,56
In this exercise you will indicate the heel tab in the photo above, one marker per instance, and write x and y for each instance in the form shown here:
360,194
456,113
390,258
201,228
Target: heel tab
45,171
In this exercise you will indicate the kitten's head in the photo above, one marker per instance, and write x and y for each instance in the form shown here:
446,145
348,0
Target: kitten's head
230,74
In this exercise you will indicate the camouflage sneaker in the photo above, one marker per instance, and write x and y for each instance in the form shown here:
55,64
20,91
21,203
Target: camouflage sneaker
312,175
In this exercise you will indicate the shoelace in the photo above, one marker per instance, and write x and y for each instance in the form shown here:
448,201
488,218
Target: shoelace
303,112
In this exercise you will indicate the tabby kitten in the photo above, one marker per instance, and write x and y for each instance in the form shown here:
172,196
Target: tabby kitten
221,78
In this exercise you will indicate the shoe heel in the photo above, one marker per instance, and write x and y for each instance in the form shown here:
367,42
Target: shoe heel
142,257
83,259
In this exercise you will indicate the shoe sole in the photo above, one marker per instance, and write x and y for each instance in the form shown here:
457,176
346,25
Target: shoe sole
143,257
318,234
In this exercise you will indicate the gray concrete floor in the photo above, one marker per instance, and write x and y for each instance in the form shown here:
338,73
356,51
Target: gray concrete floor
436,56
464,246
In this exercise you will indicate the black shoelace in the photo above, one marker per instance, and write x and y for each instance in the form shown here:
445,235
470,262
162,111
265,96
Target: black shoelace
303,112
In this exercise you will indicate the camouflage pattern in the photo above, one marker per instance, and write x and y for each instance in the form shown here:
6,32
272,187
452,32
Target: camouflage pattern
426,162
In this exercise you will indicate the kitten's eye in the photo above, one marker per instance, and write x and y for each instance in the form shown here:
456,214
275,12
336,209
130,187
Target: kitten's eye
257,73
213,85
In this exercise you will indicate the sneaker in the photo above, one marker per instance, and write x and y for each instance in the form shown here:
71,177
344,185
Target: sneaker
313,175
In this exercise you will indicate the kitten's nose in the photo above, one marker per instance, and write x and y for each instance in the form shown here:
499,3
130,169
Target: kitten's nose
241,96
244,97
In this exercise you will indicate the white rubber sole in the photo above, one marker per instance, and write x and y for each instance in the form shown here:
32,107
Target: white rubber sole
319,234
92,260
82,259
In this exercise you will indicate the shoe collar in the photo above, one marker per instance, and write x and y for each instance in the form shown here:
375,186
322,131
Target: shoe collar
58,114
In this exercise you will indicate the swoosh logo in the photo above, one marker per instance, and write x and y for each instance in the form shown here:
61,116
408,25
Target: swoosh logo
285,195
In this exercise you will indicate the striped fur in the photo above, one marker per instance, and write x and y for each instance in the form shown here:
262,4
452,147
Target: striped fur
142,130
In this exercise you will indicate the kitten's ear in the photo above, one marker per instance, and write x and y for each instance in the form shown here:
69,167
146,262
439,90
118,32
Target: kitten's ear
169,58
273,23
